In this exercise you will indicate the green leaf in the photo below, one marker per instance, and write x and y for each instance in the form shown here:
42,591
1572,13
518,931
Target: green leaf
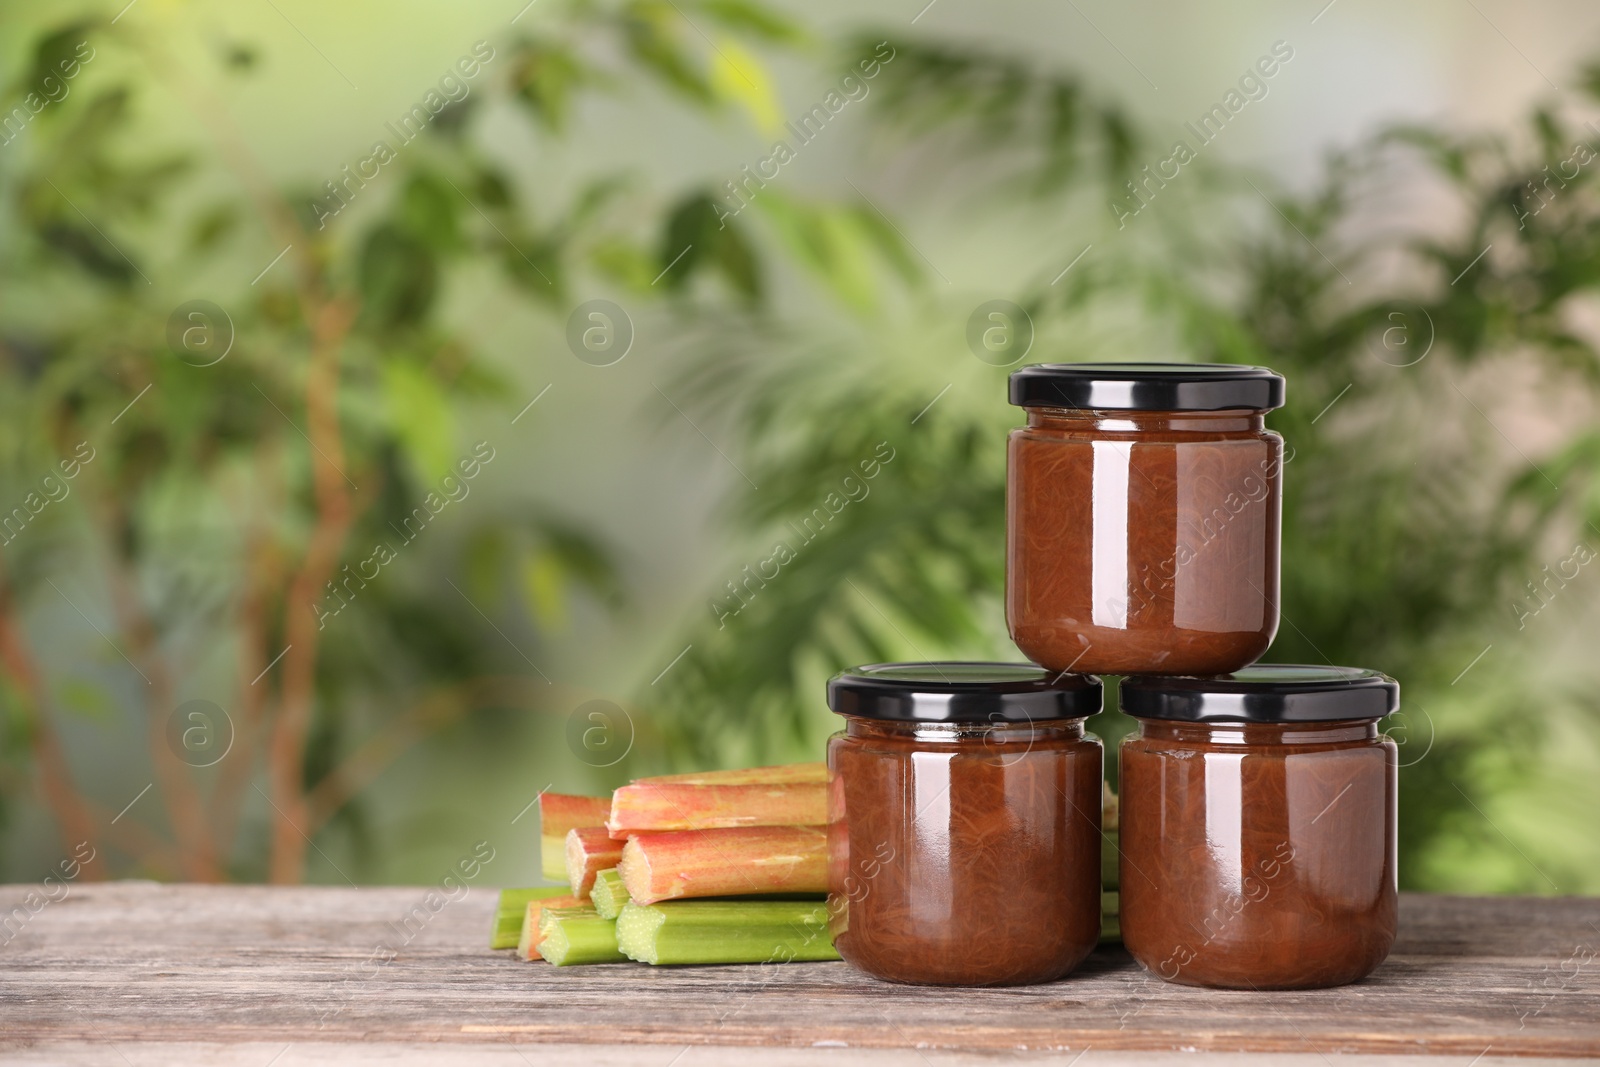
420,416
546,75
738,263
652,30
837,244
544,588
57,62
399,277
738,77
686,240
754,19
212,226
430,211
624,263
87,699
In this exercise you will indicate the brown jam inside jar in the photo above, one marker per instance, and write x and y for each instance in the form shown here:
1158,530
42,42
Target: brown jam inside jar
1259,853
1142,517
964,846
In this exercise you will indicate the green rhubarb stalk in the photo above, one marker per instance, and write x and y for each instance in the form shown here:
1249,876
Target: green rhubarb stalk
1110,854
608,893
559,813
1110,917
513,905
528,939
569,936
732,931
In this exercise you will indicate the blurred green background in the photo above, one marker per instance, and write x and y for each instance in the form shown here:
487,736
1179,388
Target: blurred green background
337,519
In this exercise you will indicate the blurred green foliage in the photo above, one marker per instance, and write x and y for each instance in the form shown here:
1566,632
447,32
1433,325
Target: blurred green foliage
226,494
1414,523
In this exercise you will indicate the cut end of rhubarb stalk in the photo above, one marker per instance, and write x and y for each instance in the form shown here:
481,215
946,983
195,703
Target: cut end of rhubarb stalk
634,870
636,932
590,850
510,909
528,930
559,813
571,936
608,894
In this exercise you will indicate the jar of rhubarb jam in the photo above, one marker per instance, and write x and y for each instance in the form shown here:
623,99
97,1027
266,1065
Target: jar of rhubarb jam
1142,504
1258,827
964,833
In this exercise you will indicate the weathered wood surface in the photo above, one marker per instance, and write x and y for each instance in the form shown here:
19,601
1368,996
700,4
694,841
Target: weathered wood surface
140,963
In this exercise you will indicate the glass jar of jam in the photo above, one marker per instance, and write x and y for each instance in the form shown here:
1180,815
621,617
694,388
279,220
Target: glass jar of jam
1142,504
1258,827
964,836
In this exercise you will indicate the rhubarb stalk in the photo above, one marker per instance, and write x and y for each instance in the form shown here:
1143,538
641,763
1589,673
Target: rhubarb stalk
703,931
1110,917
528,932
788,772
608,894
569,936
512,906
590,850
717,863
1110,839
651,805
558,814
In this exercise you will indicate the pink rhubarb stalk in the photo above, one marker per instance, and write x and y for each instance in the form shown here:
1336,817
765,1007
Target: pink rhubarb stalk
558,814
590,850
741,861
650,805
528,942
780,775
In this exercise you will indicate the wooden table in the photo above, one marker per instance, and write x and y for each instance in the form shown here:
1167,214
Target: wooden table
142,973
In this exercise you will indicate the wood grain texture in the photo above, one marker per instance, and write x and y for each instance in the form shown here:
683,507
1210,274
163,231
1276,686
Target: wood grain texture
137,962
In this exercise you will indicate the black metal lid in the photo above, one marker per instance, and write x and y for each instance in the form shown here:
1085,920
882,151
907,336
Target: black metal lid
1266,693
963,692
1147,386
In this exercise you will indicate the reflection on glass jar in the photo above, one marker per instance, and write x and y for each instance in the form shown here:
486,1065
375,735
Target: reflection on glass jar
1258,827
964,842
1142,518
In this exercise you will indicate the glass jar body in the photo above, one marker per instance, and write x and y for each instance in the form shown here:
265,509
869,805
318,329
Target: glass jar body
965,855
1258,856
1143,542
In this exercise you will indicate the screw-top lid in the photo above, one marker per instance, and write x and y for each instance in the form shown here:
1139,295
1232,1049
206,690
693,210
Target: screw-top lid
963,693
1147,386
1265,693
